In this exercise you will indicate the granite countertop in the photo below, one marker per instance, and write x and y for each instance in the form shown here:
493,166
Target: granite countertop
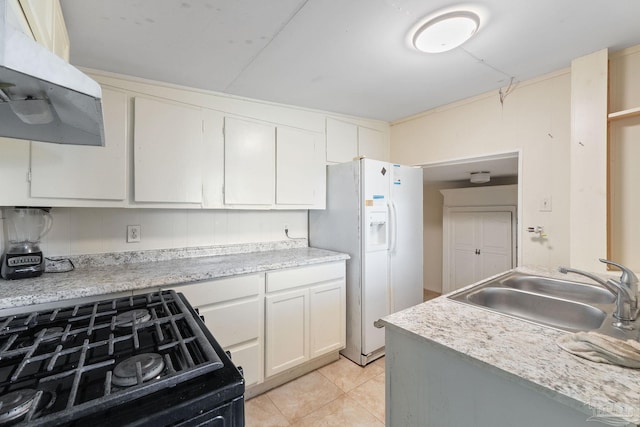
523,352
110,273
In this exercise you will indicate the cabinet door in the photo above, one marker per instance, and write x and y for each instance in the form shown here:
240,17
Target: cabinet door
286,334
372,144
342,141
249,162
84,172
14,172
168,152
327,325
300,170
248,357
40,15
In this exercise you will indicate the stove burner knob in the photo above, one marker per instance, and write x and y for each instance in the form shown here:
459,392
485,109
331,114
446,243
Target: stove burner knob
228,353
240,370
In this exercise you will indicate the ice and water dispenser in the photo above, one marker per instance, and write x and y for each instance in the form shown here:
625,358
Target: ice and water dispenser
376,224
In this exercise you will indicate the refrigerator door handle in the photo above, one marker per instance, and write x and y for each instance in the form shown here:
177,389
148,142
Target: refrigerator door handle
393,226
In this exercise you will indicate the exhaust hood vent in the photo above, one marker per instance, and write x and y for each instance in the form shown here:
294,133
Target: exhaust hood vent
42,97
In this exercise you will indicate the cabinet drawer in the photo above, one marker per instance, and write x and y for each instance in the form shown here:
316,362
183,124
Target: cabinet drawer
232,324
248,357
303,276
214,291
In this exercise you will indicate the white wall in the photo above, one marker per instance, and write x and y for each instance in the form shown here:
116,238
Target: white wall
99,230
535,118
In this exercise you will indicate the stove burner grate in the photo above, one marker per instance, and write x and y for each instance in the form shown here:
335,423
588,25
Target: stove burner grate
83,365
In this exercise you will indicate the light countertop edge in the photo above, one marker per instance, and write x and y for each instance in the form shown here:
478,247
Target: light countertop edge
522,352
89,282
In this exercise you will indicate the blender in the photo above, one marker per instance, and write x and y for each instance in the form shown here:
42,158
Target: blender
25,227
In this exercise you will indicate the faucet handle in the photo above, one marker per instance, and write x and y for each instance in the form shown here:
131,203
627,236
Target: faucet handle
628,277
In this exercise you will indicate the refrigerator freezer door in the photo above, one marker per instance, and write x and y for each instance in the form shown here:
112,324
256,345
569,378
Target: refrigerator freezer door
374,299
375,272
406,254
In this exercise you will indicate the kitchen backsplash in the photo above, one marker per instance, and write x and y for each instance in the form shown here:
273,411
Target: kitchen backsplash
79,231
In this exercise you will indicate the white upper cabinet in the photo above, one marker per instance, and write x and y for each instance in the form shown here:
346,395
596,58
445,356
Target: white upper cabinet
168,152
86,172
342,141
14,172
213,168
300,169
47,25
270,166
346,141
249,162
372,144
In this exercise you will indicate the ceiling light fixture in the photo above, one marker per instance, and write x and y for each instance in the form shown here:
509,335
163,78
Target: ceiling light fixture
480,177
446,32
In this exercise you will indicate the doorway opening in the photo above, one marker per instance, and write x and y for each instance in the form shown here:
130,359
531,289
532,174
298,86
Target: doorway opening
503,170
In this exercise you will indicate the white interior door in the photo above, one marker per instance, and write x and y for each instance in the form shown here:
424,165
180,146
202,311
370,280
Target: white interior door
495,248
480,245
463,249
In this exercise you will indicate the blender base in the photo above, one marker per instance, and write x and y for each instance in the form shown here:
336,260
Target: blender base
22,266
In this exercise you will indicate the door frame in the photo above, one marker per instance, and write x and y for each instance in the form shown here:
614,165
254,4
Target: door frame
446,236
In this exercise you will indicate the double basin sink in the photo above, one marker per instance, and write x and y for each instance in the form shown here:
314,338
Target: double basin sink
557,303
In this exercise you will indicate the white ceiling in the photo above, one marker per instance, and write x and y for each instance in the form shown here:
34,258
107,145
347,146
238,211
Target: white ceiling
345,56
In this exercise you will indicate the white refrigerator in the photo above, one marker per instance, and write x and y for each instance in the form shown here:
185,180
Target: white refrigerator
374,214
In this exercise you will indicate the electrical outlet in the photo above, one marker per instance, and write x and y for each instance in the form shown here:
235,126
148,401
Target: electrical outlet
133,233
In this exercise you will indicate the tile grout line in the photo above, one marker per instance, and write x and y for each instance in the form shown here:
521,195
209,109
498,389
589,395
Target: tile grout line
277,408
364,407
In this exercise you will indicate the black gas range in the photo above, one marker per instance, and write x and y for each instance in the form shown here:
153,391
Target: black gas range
145,360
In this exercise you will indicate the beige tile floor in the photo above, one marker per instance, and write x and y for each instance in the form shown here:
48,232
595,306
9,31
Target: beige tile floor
339,394
342,393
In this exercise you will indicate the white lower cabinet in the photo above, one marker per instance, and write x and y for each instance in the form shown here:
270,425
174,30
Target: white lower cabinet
327,318
301,316
232,311
305,315
287,330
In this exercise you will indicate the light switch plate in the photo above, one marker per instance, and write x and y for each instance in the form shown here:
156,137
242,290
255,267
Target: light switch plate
545,204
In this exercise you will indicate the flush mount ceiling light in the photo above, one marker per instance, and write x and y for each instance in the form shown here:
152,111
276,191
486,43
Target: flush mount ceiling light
480,177
446,32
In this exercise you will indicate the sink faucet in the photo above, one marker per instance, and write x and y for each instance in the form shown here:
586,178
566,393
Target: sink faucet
625,290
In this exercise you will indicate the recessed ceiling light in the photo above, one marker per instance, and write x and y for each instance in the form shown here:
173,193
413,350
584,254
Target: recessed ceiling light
446,32
480,177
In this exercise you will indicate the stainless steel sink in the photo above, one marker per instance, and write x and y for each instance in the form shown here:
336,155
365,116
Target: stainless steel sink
561,304
553,312
573,291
